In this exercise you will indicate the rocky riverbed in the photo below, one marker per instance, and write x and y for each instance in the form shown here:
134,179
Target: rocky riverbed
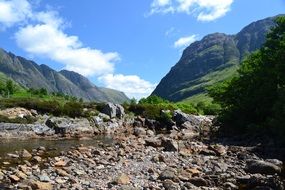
149,161
144,155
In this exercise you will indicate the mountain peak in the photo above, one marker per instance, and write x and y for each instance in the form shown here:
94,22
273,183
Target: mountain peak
31,75
213,59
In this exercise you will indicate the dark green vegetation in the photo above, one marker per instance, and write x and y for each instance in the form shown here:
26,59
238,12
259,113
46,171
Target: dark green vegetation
152,106
207,62
28,74
58,104
254,101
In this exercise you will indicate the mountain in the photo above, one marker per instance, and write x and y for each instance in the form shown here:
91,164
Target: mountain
31,75
213,59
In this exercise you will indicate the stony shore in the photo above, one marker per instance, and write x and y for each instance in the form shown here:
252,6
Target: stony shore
141,157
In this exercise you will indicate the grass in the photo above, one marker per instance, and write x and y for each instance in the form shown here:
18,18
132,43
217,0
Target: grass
203,97
195,90
25,94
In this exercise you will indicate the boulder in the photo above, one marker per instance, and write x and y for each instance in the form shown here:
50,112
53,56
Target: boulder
194,120
110,110
13,113
170,185
154,142
139,131
168,174
262,167
170,145
25,154
63,125
113,110
151,124
120,111
14,178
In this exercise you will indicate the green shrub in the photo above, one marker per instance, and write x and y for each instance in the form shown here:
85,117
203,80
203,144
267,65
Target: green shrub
25,120
73,109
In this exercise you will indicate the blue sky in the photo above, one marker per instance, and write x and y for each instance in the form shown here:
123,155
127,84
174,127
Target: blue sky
128,45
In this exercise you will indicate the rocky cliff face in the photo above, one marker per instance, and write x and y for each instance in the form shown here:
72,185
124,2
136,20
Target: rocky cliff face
31,75
213,59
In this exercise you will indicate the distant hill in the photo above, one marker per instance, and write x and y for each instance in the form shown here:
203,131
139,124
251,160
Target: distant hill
31,75
213,59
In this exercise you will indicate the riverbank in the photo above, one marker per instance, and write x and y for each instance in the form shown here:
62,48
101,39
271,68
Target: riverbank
146,161
143,154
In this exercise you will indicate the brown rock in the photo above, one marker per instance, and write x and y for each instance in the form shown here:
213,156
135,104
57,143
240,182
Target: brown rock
218,149
14,178
25,154
37,158
170,185
197,181
61,172
170,145
193,171
60,163
122,179
154,142
21,175
41,185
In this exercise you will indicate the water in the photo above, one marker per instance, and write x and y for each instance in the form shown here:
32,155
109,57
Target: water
54,147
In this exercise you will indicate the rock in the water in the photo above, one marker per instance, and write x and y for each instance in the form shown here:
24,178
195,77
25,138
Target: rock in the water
14,178
13,155
37,158
25,154
262,167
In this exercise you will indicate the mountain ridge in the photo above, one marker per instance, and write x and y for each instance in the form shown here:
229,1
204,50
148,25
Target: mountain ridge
214,58
29,74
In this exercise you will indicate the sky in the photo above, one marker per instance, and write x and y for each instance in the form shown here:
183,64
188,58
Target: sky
127,45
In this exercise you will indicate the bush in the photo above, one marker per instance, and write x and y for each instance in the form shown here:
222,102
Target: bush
73,109
25,120
254,101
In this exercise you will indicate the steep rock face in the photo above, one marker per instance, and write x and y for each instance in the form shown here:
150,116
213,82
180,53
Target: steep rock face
92,91
213,59
31,75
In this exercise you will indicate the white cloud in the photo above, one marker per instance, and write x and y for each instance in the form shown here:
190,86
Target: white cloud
13,12
42,34
132,85
204,10
160,3
185,41
49,40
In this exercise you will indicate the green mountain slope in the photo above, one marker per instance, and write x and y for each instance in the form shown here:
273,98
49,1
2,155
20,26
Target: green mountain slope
213,59
31,75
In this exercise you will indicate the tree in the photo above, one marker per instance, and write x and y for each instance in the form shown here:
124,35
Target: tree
153,100
256,96
10,87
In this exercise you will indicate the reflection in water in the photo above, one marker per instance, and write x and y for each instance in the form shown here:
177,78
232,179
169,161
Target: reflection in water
12,145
